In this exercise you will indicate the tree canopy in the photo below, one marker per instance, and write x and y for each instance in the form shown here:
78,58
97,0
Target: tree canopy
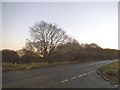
46,37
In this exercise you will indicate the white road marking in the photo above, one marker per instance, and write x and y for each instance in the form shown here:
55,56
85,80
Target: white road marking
73,78
64,80
84,74
77,76
92,71
116,85
103,62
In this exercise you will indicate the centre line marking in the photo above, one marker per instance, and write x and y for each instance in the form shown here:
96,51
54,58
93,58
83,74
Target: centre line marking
73,78
79,76
65,80
84,74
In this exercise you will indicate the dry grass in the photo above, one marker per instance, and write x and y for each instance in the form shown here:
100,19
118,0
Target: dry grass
13,67
111,72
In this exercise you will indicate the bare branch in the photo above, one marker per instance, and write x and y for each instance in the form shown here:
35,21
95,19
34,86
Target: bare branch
46,37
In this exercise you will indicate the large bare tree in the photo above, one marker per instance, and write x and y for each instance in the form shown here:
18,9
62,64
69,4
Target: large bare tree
46,37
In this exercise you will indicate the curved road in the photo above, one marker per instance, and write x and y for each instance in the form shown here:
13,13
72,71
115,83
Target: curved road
65,76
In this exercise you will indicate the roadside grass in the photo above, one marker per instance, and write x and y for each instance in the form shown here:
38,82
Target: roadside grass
14,67
111,72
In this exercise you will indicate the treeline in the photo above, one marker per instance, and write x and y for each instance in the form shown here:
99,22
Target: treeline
19,56
70,51
49,43
74,51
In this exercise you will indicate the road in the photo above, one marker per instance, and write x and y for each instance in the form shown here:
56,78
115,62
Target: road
82,75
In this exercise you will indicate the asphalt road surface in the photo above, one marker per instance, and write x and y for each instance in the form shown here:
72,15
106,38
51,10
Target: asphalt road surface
82,75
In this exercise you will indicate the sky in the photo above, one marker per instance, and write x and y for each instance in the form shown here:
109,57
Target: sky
87,22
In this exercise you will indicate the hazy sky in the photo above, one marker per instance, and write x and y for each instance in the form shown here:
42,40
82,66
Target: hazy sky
88,22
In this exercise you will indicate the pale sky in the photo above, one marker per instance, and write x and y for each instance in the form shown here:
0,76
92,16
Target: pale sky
88,22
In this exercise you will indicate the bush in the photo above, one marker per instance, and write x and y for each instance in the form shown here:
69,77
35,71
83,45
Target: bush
10,56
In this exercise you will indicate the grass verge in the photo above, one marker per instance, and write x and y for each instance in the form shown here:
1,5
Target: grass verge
14,67
111,72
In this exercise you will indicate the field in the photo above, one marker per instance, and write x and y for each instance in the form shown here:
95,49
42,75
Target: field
111,72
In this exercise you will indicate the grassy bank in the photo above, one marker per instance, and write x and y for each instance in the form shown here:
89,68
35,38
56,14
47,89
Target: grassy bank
110,71
13,67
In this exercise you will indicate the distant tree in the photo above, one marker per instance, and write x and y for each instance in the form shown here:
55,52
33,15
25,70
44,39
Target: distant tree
10,56
28,56
91,46
46,37
21,52
70,51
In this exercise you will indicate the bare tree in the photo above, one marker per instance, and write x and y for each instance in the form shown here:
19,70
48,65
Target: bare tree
46,37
